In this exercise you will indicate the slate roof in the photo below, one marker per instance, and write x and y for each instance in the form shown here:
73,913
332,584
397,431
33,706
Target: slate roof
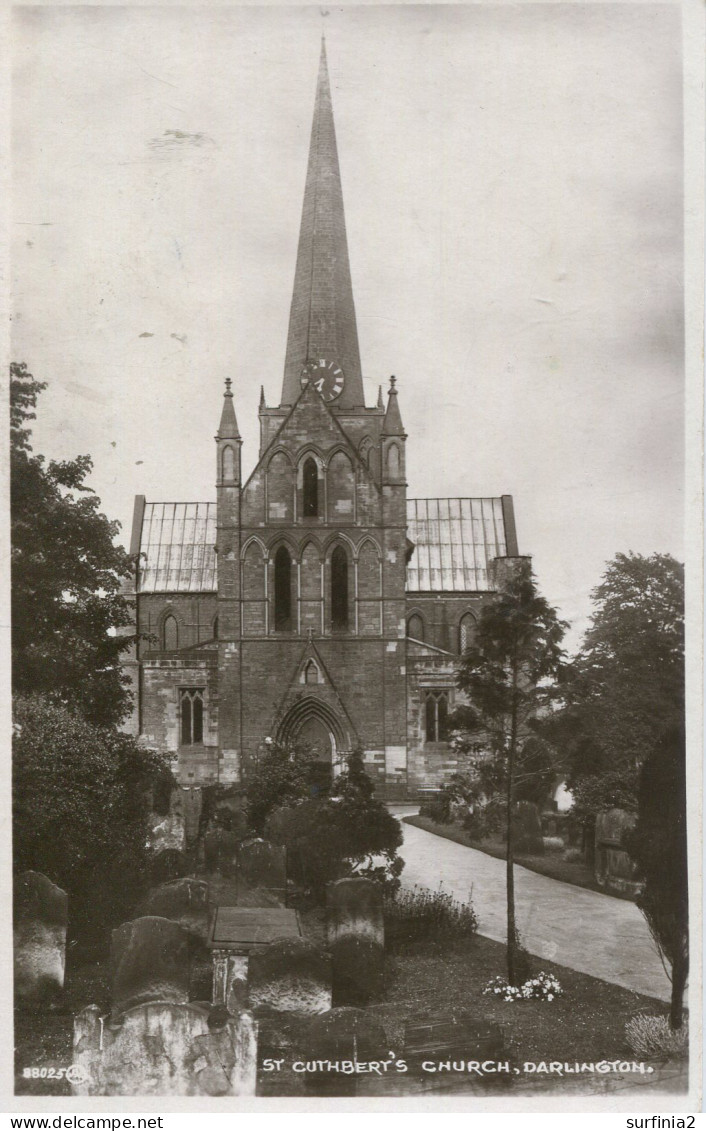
178,540
454,541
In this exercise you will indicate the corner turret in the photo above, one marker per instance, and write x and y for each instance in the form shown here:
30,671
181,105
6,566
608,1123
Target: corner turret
228,443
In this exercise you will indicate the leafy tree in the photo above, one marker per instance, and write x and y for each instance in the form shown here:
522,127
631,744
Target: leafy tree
282,775
67,576
347,832
658,844
629,680
81,799
510,675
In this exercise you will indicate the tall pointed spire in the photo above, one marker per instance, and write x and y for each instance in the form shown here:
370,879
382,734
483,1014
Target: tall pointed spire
322,321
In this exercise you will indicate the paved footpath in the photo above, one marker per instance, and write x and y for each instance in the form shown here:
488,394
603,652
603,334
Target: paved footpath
584,930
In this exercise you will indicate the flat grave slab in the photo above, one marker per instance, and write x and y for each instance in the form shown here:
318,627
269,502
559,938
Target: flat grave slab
242,929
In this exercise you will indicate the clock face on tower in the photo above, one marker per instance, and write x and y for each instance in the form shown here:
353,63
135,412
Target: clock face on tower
326,377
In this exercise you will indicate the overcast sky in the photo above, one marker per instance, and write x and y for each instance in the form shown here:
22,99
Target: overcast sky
512,178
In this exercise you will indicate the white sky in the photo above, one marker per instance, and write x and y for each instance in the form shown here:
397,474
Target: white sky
512,177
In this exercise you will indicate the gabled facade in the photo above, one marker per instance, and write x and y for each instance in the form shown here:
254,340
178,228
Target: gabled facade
313,600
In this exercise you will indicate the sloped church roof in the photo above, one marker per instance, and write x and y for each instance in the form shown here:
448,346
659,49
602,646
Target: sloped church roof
454,542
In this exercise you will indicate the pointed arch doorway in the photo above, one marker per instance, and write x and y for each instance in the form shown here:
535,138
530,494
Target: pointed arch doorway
313,723
322,745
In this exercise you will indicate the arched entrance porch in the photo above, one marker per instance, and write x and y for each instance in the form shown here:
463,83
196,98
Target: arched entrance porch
312,722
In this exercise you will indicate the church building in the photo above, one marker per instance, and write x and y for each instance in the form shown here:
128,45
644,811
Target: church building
313,600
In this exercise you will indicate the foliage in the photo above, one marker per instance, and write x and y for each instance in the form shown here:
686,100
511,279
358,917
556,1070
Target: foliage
653,1038
658,845
81,801
511,675
544,987
421,915
281,777
616,789
628,681
67,576
349,832
437,806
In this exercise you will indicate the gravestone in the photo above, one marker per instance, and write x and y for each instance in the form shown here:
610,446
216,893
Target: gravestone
168,864
192,804
184,901
527,828
220,851
164,1049
290,976
262,866
613,867
40,916
236,932
458,1037
149,961
612,825
356,938
341,1035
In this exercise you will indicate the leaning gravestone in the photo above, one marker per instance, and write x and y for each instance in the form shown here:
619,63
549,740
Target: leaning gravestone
290,976
339,1036
262,867
149,961
184,901
40,917
527,827
164,1049
356,939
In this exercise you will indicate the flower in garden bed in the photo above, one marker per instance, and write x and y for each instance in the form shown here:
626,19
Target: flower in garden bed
544,987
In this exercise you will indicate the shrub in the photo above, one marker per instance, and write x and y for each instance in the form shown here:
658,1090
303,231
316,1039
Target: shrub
81,802
437,807
652,1037
543,987
553,844
282,776
350,832
421,915
486,822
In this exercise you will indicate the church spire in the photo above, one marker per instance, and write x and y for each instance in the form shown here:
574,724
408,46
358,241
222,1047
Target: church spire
392,424
322,321
228,428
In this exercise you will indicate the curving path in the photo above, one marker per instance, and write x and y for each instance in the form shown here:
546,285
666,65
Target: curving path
584,930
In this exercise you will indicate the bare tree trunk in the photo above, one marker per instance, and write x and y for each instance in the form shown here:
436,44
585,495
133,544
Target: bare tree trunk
510,873
510,854
680,972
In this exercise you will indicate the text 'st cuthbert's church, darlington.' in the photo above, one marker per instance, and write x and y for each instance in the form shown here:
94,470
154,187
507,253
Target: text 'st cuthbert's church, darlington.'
314,600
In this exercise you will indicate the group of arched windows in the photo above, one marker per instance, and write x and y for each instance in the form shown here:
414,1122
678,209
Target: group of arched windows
338,596
315,488
466,630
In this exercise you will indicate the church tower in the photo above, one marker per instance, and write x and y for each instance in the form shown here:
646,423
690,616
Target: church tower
313,602
228,498
320,644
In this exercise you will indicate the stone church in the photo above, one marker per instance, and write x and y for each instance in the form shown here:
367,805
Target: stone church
313,600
